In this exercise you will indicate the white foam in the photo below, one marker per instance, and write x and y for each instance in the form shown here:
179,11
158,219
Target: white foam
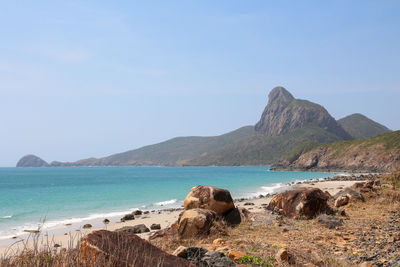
6,217
167,202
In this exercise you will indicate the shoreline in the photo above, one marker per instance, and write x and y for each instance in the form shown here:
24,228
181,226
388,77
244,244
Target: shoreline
69,236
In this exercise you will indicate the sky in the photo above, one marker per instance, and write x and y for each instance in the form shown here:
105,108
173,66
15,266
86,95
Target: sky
85,79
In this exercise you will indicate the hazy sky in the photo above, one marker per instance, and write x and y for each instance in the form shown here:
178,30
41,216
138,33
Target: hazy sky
92,78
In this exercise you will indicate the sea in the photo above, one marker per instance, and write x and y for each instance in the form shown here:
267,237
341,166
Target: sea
51,198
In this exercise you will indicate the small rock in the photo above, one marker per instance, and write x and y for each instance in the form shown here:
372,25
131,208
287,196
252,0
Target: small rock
57,245
341,201
137,212
155,226
146,212
248,204
218,242
137,229
87,226
235,255
282,255
106,221
366,264
330,221
128,217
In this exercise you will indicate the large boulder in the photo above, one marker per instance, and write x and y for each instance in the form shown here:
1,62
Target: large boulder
195,222
304,202
105,248
210,198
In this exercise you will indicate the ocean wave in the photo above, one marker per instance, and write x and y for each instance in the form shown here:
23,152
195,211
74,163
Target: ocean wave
167,202
6,217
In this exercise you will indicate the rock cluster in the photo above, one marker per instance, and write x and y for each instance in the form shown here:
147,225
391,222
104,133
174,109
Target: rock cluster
206,206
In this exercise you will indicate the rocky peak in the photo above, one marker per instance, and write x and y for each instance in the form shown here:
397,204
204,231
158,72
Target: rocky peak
284,113
31,161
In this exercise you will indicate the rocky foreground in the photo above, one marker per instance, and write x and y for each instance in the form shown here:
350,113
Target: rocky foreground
305,226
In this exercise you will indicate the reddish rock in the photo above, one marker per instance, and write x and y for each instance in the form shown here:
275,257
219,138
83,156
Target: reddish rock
210,198
304,202
195,222
105,248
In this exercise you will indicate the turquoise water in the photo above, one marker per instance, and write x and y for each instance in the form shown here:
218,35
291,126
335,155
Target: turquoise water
73,195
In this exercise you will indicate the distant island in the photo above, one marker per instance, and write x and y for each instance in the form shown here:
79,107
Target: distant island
288,129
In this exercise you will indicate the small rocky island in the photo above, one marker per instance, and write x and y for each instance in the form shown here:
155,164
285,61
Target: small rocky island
32,161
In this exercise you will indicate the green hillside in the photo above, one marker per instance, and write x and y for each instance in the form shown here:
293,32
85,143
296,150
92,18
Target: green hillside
260,149
360,127
380,153
168,152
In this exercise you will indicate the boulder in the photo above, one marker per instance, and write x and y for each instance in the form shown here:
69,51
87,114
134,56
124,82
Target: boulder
137,212
350,193
87,226
128,217
106,248
137,229
195,222
301,202
330,221
341,201
155,226
216,259
203,258
210,198
236,216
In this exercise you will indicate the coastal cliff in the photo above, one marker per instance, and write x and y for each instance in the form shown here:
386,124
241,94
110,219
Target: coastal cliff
377,154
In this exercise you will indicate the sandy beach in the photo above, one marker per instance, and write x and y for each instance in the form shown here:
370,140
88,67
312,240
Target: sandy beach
165,218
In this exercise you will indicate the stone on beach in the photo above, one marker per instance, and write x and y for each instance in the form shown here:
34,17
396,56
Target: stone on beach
137,229
350,193
128,217
155,226
301,202
195,222
87,226
123,249
210,198
341,201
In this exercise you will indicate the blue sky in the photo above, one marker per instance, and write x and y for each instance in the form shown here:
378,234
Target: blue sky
92,78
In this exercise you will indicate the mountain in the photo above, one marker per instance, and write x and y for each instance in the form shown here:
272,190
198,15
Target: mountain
166,153
261,149
31,161
284,113
380,153
360,127
288,128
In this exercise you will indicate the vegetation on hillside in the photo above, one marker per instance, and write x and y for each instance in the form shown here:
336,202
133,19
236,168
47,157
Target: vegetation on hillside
260,149
360,127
